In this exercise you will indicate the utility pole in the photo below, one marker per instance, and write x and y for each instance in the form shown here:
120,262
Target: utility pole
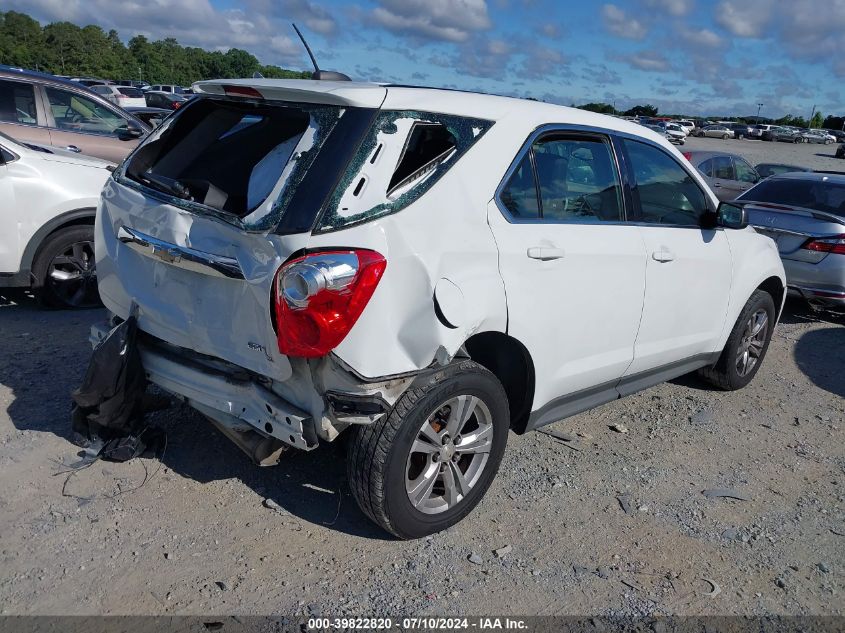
759,105
810,122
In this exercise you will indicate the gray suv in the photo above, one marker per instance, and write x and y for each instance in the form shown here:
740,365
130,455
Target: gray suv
40,108
728,175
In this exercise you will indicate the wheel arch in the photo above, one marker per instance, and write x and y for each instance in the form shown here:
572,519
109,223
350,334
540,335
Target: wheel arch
69,218
774,286
509,360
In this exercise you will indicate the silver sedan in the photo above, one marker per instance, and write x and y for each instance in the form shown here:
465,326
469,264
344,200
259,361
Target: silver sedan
804,213
716,131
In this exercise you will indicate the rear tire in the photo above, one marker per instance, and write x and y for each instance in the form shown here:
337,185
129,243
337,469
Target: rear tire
64,271
745,350
384,460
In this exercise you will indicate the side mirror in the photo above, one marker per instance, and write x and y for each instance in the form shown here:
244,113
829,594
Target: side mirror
731,215
129,133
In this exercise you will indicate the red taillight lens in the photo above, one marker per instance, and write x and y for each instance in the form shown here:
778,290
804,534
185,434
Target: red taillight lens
688,155
318,298
242,91
176,104
834,244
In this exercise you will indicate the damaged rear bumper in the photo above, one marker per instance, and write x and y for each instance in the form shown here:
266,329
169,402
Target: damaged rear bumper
236,400
254,411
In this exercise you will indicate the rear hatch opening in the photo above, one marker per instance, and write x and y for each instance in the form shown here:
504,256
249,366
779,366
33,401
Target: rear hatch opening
235,159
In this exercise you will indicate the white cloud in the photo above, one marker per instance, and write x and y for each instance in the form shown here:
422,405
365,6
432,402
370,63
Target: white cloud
446,20
747,18
191,22
702,37
676,8
647,60
619,23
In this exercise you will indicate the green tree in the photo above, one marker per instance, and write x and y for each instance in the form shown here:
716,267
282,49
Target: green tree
642,110
66,49
21,40
817,120
833,122
601,108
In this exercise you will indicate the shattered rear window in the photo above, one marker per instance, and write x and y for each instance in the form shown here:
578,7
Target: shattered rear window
237,160
402,156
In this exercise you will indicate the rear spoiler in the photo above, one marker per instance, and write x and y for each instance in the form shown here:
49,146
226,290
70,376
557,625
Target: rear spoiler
818,215
339,93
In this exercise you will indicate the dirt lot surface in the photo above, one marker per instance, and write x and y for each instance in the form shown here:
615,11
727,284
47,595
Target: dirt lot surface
811,155
618,527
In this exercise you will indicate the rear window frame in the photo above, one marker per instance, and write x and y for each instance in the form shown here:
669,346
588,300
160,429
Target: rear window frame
271,221
466,130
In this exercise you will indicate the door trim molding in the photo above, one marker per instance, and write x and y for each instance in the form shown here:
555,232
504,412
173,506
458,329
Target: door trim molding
580,401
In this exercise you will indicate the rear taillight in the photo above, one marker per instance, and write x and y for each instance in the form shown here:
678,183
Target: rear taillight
318,298
688,155
834,244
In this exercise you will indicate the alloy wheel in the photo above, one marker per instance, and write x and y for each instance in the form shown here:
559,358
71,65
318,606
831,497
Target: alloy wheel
449,454
752,343
72,276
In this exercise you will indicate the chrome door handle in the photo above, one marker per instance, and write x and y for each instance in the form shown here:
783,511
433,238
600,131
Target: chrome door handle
73,148
663,255
545,252
717,184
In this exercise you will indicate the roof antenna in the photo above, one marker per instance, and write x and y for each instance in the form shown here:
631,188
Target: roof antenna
325,75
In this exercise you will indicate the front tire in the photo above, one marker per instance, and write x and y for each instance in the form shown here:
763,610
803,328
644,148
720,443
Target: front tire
747,345
424,466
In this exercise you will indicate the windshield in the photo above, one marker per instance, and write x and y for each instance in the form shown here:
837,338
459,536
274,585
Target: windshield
817,195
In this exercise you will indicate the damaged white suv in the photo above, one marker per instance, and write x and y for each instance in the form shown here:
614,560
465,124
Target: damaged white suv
424,269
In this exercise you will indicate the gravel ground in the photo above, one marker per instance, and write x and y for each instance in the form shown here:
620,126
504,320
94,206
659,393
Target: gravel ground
199,537
811,155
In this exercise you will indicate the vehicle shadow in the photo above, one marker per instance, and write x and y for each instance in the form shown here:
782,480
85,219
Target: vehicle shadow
45,355
795,311
817,355
825,155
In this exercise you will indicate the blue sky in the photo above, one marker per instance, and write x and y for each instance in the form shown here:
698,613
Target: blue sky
685,56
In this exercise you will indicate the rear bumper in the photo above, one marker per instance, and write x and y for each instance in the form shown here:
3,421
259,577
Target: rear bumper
235,399
819,282
820,295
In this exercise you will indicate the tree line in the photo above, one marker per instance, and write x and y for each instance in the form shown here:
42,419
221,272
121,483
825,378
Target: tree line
62,48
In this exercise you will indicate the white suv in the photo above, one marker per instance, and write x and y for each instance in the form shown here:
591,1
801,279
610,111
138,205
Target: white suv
425,269
48,198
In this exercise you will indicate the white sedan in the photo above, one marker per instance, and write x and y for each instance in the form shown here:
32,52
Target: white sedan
48,200
122,96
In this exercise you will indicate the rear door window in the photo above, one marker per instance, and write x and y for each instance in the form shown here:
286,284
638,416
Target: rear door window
237,160
75,113
401,157
722,168
17,103
519,196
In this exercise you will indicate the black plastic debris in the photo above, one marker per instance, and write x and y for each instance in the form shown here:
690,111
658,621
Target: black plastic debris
107,418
